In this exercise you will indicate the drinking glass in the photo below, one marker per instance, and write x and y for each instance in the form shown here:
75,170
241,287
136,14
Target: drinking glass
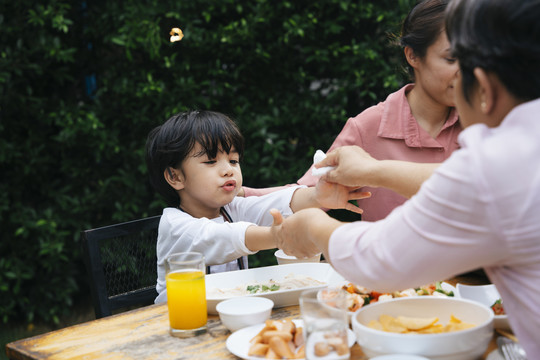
325,324
186,294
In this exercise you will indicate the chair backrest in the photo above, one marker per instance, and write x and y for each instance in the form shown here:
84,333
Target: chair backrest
121,264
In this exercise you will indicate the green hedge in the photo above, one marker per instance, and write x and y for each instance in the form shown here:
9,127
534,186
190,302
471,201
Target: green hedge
82,83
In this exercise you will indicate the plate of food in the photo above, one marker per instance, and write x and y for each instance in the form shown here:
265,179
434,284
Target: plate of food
247,343
280,283
358,296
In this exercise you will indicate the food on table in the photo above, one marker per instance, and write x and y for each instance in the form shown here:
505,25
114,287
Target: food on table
291,281
498,308
358,296
416,325
279,339
332,341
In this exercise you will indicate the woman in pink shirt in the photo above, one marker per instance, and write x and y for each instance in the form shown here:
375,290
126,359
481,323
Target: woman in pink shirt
479,209
417,123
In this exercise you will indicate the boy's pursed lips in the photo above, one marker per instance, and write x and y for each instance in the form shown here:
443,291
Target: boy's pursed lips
229,185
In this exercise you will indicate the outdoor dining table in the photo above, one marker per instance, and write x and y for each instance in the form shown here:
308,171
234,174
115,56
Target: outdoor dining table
143,333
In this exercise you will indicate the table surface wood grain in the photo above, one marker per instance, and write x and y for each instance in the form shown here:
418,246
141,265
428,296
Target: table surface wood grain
143,334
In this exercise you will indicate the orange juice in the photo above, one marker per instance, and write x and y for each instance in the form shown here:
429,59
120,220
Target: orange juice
186,296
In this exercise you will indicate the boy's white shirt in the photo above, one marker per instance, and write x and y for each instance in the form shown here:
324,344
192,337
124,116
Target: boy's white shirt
221,242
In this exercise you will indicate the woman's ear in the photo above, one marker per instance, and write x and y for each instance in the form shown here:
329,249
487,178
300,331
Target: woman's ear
174,178
411,57
486,91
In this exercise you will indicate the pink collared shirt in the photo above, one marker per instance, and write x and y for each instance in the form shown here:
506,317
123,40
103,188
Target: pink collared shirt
479,209
388,131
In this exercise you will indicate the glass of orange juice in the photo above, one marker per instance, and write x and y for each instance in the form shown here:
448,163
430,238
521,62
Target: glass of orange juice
186,294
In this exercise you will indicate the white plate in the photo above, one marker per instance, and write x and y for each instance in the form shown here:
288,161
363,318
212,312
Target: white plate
238,342
319,271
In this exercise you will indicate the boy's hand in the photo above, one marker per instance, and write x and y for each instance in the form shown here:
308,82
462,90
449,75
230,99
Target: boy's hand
292,236
335,196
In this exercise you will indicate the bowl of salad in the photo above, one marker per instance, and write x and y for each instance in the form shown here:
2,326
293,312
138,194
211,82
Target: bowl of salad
488,296
358,296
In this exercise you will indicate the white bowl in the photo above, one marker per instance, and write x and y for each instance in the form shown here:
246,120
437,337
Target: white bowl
466,344
486,295
283,258
240,312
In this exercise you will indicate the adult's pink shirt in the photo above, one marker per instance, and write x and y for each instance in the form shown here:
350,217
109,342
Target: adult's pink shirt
389,131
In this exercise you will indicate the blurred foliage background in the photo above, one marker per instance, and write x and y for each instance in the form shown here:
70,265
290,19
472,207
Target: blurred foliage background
83,82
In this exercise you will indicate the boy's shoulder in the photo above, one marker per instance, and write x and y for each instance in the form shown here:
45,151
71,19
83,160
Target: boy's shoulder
171,213
172,217
168,211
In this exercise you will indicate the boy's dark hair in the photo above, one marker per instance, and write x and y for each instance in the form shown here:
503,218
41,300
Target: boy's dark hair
422,27
501,37
169,144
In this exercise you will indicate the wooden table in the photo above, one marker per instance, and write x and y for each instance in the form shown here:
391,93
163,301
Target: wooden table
143,334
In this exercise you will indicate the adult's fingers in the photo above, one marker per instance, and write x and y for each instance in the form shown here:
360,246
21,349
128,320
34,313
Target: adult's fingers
329,160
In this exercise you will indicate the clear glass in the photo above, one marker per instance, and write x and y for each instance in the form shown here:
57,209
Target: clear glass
325,324
186,294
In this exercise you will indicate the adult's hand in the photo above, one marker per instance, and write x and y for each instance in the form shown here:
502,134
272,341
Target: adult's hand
354,167
305,233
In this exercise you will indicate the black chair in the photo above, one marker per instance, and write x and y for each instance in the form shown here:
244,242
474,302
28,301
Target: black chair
121,264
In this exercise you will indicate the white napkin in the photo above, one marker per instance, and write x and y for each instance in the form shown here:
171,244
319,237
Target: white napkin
318,157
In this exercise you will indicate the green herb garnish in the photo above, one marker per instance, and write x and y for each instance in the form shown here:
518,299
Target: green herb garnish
252,289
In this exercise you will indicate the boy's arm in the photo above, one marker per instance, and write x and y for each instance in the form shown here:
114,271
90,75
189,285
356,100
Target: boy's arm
248,191
304,198
259,238
327,195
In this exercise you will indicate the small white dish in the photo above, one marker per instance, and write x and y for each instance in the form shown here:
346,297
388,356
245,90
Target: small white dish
238,342
283,258
241,312
485,295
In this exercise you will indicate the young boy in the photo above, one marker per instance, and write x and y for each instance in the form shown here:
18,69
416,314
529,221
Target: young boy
194,163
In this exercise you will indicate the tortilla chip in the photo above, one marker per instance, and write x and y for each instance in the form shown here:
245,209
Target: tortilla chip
413,323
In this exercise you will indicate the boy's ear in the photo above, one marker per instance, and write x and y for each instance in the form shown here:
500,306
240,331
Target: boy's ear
174,178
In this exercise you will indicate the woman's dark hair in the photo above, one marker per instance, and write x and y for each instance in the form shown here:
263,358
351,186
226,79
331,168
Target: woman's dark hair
422,27
501,37
169,144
